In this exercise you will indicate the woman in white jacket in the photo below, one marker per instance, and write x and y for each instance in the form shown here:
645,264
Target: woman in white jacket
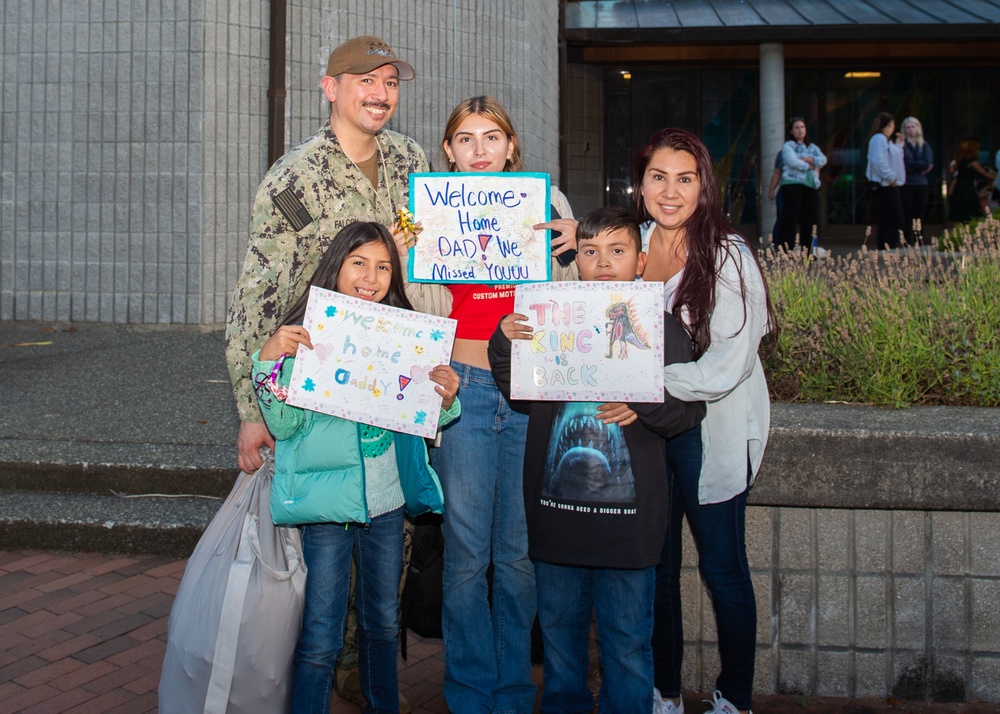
714,286
885,182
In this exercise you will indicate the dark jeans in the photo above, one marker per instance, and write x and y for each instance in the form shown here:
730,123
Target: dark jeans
719,531
890,215
799,207
914,209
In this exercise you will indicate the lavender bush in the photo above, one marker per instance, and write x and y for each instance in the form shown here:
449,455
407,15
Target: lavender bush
891,328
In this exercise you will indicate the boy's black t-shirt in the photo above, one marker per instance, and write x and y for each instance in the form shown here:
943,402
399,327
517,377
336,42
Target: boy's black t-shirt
596,495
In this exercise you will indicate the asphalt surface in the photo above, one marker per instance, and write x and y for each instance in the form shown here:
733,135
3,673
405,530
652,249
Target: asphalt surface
96,418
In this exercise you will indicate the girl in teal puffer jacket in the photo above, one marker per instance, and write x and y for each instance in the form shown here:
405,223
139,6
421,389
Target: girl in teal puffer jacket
378,473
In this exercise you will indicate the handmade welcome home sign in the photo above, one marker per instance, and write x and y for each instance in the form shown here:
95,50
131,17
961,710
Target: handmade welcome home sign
477,227
370,363
591,342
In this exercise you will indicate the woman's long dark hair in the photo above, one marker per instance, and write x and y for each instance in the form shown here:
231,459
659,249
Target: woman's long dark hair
343,244
968,149
880,122
706,233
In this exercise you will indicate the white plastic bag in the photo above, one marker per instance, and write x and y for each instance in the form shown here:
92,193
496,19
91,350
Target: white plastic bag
236,618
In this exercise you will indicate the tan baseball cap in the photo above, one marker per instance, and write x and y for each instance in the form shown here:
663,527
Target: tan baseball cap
363,54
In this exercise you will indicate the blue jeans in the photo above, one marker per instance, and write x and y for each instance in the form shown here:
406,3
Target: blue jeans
487,647
377,549
623,600
719,531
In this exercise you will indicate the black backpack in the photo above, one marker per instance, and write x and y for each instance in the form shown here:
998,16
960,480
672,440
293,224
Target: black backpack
423,593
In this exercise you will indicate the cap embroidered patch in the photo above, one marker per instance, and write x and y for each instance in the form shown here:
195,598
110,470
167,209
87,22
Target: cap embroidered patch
380,50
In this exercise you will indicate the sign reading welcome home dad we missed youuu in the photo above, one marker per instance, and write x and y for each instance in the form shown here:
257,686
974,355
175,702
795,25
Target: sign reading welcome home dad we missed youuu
477,228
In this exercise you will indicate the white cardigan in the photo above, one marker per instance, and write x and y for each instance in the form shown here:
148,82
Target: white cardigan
729,377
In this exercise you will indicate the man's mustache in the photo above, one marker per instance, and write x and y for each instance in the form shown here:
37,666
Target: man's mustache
377,105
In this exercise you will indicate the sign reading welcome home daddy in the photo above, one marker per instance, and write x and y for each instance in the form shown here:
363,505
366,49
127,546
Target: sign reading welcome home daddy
591,342
477,227
370,363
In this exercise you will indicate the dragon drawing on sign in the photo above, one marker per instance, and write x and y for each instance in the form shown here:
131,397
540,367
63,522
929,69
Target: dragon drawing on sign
624,328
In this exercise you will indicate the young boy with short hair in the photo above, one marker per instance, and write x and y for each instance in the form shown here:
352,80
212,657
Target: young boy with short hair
602,552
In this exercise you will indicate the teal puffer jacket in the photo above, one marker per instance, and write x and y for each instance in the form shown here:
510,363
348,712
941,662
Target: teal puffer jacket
319,471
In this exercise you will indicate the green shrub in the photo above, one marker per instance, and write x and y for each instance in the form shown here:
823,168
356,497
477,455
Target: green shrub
892,328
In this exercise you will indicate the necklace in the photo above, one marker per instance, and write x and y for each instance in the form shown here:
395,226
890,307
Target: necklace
386,203
375,441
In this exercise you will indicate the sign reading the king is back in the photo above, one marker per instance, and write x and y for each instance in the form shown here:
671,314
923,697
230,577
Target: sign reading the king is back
477,228
590,342
371,363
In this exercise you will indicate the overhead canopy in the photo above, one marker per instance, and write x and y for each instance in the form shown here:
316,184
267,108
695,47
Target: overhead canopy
701,21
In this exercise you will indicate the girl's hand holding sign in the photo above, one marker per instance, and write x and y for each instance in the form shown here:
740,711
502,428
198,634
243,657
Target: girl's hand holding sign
285,341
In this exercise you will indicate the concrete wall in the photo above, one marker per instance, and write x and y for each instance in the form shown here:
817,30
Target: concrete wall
874,544
133,134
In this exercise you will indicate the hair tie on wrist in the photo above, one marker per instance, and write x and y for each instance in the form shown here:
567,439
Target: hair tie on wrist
280,393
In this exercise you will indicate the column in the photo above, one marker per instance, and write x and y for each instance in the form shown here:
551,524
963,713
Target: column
772,125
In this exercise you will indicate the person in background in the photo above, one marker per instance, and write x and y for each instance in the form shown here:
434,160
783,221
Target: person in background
896,160
774,194
715,288
996,182
884,181
799,186
966,203
918,157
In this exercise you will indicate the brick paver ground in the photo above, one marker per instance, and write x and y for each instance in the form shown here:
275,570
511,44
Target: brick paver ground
86,633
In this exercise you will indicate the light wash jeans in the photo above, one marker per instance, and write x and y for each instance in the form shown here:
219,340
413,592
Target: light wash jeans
487,646
377,549
623,600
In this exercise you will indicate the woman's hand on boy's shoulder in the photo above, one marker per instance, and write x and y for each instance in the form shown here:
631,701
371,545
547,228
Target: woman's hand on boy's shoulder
566,228
513,327
285,341
447,381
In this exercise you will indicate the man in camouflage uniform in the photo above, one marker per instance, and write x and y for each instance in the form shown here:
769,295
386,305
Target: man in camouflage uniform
351,169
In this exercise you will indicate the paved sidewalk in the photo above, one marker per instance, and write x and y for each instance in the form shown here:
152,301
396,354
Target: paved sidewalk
86,633
93,415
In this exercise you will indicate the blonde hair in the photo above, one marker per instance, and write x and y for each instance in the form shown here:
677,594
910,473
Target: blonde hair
490,108
920,129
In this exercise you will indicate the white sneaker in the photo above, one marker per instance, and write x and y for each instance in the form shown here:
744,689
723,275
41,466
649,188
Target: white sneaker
662,706
721,705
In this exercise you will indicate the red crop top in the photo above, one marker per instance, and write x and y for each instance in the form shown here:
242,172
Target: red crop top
479,308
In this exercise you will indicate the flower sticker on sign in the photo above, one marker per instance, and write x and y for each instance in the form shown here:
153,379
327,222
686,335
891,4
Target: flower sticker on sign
477,227
591,342
371,363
